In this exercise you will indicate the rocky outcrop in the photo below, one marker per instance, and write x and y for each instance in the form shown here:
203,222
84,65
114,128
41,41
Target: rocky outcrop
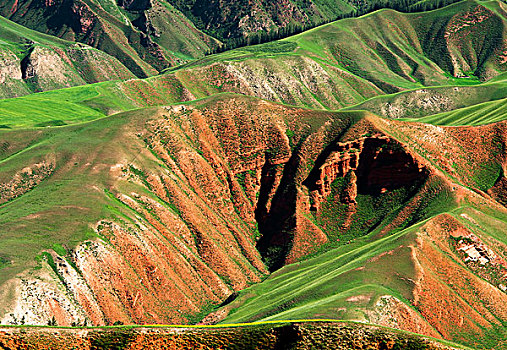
9,67
26,179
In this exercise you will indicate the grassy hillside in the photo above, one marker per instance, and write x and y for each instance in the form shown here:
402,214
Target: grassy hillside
345,62
33,62
89,102
171,199
427,101
329,67
357,282
480,114
151,153
146,37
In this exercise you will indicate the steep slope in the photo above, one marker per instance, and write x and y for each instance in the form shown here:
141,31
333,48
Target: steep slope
118,207
32,62
327,68
177,186
146,36
227,19
176,198
230,19
433,258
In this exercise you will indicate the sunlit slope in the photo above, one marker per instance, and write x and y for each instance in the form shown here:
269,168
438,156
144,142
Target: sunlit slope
435,264
89,102
96,204
427,101
332,66
145,36
33,62
316,69
480,114
72,198
414,280
350,60
442,105
117,204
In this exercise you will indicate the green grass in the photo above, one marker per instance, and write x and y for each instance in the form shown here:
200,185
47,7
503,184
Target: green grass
14,34
318,286
480,114
328,67
86,103
35,110
64,63
324,285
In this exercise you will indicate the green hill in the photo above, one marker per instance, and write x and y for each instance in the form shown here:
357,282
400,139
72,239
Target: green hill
33,62
146,36
353,172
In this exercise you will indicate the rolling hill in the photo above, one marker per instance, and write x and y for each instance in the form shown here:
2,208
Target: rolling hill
353,172
311,70
149,36
145,36
33,62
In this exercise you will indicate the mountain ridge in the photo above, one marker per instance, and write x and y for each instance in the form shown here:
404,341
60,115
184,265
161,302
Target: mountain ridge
202,195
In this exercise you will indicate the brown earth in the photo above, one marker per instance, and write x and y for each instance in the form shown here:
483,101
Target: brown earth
287,336
206,175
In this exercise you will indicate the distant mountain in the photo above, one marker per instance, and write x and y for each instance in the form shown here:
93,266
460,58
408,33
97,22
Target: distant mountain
225,19
33,62
146,36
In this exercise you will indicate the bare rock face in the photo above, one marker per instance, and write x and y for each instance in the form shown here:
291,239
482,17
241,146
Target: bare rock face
47,68
39,299
43,67
9,66
372,165
51,68
25,180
